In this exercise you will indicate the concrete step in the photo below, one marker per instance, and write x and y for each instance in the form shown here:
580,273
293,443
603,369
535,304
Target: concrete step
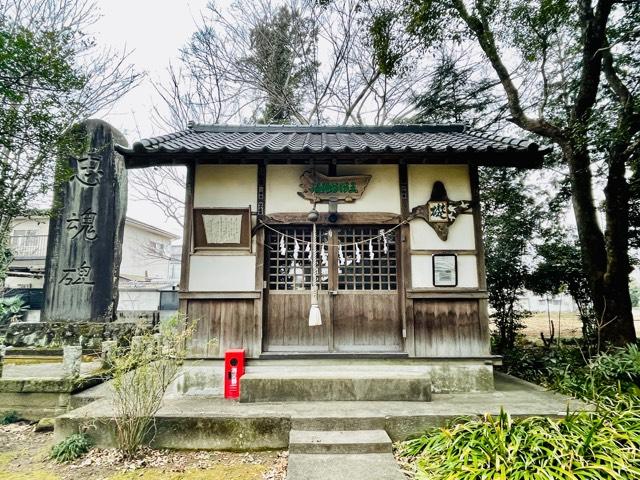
339,441
371,466
338,423
306,386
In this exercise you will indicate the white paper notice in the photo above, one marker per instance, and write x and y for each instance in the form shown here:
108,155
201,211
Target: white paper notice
444,271
222,228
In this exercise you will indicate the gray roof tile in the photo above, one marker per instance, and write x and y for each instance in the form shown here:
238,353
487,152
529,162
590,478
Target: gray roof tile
329,139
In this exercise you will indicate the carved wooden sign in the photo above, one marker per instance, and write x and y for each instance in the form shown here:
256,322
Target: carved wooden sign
319,188
440,212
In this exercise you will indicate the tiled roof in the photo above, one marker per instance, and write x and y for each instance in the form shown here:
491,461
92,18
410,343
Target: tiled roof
311,139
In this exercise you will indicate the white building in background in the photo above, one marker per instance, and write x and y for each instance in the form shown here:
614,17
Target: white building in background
550,303
150,264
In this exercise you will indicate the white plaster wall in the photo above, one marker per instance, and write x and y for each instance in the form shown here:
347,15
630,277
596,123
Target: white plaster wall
381,195
461,235
137,257
38,224
222,273
23,282
138,299
422,177
422,271
226,186
282,187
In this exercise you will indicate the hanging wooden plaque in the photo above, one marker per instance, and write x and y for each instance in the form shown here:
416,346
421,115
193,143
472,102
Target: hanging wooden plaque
319,188
222,228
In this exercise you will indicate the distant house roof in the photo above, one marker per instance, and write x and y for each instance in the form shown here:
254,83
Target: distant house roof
150,228
451,143
128,221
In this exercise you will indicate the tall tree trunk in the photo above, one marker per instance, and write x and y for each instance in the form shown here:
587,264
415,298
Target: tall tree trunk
619,328
604,256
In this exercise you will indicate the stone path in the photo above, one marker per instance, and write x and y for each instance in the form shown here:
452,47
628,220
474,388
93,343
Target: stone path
341,454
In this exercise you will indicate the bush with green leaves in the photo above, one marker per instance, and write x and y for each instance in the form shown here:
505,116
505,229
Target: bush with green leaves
9,417
585,445
72,447
602,444
568,368
9,308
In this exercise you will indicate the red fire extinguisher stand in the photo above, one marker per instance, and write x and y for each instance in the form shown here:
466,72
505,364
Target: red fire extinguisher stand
233,370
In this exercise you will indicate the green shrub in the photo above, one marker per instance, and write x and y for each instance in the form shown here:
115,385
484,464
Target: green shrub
569,369
71,448
9,308
585,445
9,417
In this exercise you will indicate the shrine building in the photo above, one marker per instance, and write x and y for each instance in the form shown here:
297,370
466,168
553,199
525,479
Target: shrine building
399,267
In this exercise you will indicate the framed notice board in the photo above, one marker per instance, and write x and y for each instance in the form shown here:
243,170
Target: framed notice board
445,270
222,228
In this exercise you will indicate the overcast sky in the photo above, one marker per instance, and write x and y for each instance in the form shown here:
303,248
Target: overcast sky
153,30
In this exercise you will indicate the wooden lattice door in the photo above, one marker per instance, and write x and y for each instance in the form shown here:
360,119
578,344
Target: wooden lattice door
358,296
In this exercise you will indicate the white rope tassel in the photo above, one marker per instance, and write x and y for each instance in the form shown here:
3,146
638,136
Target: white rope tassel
314,312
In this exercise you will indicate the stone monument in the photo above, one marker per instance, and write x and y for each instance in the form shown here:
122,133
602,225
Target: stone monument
85,232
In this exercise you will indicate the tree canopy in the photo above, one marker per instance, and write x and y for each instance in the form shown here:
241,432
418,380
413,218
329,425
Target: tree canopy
52,75
568,73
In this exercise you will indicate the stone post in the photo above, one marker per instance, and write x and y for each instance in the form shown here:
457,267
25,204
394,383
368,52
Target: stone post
108,350
71,360
85,231
136,344
3,350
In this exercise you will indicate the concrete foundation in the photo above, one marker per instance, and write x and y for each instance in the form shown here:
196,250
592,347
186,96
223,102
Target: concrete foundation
208,422
41,390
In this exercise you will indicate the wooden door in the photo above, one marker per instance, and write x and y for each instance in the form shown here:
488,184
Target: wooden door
357,283
366,312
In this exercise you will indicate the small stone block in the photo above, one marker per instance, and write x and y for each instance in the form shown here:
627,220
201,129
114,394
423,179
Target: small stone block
44,425
71,360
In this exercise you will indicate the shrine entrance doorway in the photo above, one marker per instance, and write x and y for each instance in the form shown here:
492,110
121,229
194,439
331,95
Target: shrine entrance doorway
358,289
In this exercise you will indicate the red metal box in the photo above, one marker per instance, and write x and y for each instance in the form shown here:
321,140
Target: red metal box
233,370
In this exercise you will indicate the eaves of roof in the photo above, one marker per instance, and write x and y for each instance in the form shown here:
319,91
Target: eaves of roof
347,144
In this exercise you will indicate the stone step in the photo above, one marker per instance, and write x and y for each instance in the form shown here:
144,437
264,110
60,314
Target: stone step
339,441
310,386
337,423
370,466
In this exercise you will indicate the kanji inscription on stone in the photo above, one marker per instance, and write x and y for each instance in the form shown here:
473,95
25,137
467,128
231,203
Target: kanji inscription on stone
77,276
85,232
83,225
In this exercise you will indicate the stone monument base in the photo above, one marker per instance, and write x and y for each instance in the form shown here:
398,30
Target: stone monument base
55,335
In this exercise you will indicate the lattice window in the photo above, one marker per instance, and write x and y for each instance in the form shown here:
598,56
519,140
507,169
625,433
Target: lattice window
290,260
366,266
363,266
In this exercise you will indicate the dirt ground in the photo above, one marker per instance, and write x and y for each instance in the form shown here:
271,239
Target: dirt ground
567,325
24,455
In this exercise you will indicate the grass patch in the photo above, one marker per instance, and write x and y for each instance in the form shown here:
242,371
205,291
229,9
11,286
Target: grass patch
28,475
9,417
72,447
6,458
219,472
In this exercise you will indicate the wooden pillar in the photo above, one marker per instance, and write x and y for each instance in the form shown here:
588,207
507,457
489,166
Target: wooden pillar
259,303
404,284
187,241
483,304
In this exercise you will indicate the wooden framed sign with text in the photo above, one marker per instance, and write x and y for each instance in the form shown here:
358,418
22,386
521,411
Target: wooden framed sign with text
220,228
445,270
